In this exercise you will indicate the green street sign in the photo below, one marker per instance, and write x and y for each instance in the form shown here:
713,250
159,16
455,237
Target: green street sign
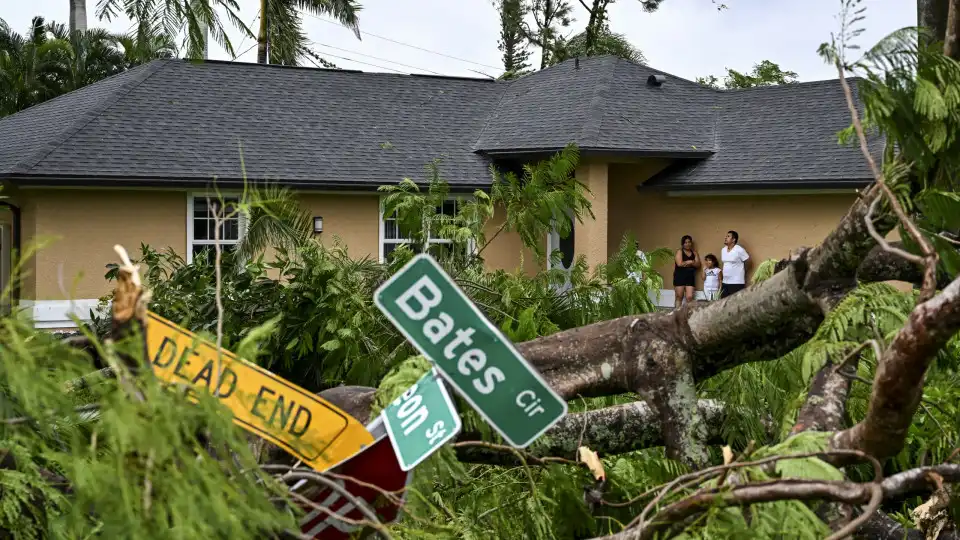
433,313
421,420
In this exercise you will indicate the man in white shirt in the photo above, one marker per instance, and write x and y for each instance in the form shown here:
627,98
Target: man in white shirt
733,258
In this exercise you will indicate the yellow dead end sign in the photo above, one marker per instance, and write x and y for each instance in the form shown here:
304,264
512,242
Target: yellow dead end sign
303,424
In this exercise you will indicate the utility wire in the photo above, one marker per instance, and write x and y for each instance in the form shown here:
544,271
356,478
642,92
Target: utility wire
375,57
257,16
406,44
245,52
356,61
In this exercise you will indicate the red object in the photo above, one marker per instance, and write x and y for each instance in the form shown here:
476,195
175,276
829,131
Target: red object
375,465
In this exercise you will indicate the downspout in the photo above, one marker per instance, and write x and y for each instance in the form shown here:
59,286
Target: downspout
15,249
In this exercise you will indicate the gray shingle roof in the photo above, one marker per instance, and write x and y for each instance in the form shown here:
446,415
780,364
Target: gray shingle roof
175,122
601,103
780,135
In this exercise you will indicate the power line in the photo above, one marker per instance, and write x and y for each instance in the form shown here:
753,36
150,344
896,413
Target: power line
257,16
407,44
356,61
376,58
245,52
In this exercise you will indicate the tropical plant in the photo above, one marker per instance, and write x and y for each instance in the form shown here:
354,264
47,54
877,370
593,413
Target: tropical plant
605,42
766,73
31,68
281,39
50,60
195,21
512,44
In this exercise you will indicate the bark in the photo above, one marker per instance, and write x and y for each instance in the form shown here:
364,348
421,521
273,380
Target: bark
881,265
608,431
825,408
78,16
951,45
898,384
263,34
883,527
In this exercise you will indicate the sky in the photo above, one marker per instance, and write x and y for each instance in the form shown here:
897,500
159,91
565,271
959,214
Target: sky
687,38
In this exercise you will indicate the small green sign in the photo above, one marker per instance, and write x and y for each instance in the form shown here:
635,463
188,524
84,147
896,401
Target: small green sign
421,420
480,362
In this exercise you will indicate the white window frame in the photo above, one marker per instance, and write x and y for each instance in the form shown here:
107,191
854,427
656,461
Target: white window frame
383,240
191,241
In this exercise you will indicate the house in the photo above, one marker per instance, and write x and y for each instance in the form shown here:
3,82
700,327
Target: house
130,159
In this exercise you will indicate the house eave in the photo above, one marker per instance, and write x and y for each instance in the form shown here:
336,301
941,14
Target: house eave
179,182
801,184
597,152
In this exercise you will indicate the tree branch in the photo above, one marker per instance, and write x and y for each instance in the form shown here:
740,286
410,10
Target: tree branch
898,384
609,431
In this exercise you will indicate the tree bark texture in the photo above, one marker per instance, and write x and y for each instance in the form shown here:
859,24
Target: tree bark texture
78,16
898,383
263,34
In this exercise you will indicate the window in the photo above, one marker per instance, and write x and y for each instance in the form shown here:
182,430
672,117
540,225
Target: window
201,225
392,234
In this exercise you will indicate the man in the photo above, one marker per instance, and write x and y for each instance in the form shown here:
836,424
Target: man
734,270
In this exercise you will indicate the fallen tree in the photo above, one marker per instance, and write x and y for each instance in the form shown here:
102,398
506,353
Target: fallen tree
664,357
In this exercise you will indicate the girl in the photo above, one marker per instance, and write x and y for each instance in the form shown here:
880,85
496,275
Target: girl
711,277
685,265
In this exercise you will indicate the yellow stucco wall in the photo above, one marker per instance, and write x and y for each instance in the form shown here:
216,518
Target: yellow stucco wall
80,227
354,219
769,225
506,250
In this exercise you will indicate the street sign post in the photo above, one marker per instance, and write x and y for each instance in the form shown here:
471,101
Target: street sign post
298,421
376,470
421,420
480,362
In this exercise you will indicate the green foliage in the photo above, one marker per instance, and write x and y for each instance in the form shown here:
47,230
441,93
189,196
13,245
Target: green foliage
141,470
48,61
764,270
545,197
513,47
606,42
766,73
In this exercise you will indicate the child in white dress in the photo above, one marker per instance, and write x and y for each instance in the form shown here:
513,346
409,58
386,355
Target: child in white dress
711,277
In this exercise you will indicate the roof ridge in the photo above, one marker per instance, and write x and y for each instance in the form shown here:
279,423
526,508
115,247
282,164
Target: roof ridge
590,132
493,112
24,165
835,80
312,69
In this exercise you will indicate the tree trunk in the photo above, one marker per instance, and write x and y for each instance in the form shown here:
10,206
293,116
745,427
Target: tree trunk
78,16
263,40
934,16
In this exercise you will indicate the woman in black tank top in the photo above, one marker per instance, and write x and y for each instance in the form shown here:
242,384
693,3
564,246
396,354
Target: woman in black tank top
685,264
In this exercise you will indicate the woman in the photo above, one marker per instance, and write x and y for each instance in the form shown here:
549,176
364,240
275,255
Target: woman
733,257
685,264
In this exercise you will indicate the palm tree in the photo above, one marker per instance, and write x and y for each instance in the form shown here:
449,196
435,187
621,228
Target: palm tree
78,15
51,60
92,55
281,39
31,67
196,20
140,49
